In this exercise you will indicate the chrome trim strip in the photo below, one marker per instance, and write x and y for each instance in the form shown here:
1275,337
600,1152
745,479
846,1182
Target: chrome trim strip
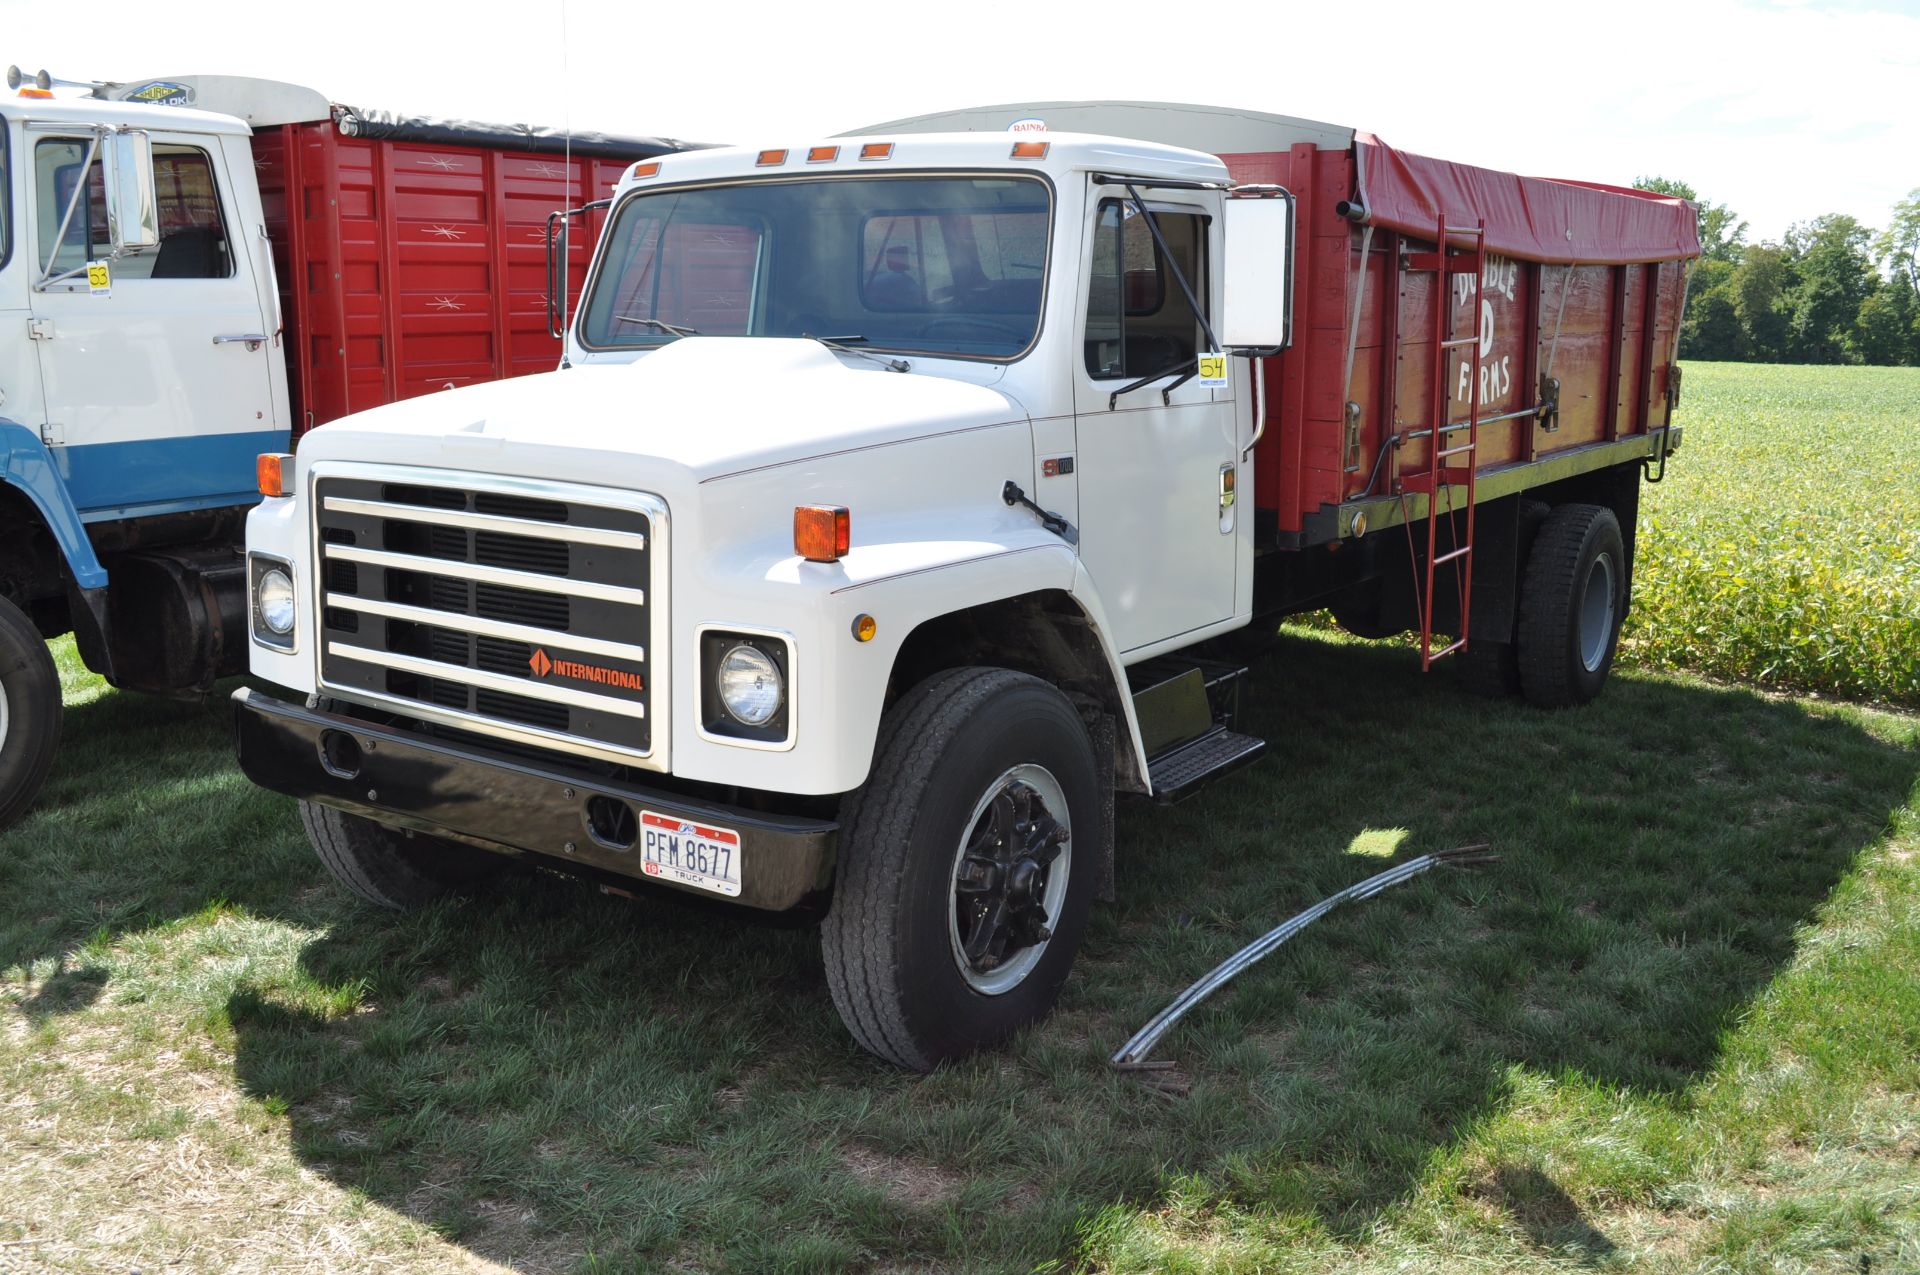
563,585
488,522
498,727
523,686
490,628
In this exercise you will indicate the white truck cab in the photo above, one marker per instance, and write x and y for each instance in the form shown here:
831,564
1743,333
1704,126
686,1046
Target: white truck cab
815,575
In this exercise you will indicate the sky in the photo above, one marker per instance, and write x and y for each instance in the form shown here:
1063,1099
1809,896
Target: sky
1782,109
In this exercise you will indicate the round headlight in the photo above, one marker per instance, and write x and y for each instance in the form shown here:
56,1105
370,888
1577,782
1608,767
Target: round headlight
750,685
274,598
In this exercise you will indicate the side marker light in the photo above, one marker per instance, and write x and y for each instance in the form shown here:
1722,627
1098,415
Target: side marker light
274,470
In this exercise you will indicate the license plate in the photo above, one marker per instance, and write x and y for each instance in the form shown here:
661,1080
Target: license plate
695,854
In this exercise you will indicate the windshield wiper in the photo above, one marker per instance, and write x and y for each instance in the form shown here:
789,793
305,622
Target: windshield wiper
674,328
844,346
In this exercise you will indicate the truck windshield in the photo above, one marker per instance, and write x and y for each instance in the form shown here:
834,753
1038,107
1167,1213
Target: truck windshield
938,265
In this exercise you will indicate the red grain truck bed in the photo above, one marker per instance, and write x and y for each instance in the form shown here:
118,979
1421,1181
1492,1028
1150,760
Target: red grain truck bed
411,251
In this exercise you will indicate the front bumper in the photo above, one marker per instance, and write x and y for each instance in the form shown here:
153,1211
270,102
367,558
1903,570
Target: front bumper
413,781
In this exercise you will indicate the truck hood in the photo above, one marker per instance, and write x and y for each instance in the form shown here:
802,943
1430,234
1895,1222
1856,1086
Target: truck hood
714,405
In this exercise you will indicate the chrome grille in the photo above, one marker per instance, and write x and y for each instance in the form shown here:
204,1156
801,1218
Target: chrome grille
515,615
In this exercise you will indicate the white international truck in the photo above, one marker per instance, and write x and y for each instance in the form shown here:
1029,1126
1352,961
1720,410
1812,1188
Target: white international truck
899,493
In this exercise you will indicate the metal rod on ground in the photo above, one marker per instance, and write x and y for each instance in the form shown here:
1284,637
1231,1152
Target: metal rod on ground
1133,1054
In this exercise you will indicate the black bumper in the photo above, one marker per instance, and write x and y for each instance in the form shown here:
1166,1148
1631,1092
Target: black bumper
413,781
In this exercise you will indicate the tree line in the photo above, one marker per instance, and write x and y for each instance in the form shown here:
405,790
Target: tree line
1833,291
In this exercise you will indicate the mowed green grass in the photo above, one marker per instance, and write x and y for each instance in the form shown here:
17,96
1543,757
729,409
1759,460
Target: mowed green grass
1783,547
1675,1028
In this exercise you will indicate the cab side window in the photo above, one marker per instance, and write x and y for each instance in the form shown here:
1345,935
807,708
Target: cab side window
193,235
1138,320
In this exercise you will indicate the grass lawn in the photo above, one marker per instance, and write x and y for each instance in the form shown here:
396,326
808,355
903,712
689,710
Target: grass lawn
1676,1026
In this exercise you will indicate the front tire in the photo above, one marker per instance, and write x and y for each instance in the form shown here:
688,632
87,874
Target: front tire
386,867
966,868
30,712
1572,601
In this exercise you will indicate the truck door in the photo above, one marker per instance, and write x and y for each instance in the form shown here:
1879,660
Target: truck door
158,385
1157,534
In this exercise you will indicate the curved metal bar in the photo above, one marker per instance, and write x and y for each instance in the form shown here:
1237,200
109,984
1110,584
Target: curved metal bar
1134,1053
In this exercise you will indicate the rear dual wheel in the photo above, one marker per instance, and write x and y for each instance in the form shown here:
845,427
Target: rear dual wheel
966,868
1573,599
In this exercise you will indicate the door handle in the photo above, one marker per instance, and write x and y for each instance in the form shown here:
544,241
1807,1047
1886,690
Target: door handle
254,340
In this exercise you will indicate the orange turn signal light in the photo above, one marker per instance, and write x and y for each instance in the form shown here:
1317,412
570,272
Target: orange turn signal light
1029,150
647,170
274,470
823,154
45,94
771,157
821,533
877,150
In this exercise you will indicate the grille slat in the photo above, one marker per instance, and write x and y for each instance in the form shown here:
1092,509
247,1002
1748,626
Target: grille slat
485,574
515,615
489,627
491,519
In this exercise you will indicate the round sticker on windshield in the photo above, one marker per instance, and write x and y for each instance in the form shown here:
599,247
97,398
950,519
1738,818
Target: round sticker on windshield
1031,124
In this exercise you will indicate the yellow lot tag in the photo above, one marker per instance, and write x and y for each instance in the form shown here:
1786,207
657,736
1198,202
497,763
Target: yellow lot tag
1213,371
98,278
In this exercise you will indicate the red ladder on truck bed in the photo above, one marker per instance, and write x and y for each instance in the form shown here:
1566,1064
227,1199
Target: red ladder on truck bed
1443,472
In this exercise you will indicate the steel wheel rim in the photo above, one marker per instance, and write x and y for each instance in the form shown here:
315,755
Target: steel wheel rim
5,713
1046,886
1596,613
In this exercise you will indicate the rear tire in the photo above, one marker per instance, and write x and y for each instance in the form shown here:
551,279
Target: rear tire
30,713
1489,669
386,867
967,866
1572,602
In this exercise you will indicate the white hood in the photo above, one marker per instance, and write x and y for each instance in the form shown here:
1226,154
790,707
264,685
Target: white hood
713,405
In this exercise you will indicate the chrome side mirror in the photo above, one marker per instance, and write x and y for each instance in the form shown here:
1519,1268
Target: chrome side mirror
133,220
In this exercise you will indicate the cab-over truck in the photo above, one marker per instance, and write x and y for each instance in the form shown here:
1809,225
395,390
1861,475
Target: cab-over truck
905,496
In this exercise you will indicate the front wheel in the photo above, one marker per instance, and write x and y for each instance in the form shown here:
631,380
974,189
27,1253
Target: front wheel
966,868
30,712
388,868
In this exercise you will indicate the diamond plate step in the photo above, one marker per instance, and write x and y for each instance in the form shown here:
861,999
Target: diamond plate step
1182,771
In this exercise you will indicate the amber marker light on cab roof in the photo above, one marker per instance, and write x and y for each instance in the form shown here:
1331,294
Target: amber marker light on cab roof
823,154
821,533
769,158
1029,150
274,470
647,170
877,150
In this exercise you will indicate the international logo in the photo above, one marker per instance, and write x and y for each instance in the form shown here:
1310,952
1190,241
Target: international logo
544,665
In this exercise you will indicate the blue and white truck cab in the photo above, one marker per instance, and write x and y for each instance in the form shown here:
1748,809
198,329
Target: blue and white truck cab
140,375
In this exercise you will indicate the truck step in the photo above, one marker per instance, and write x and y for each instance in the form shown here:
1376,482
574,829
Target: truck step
1179,698
1185,770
